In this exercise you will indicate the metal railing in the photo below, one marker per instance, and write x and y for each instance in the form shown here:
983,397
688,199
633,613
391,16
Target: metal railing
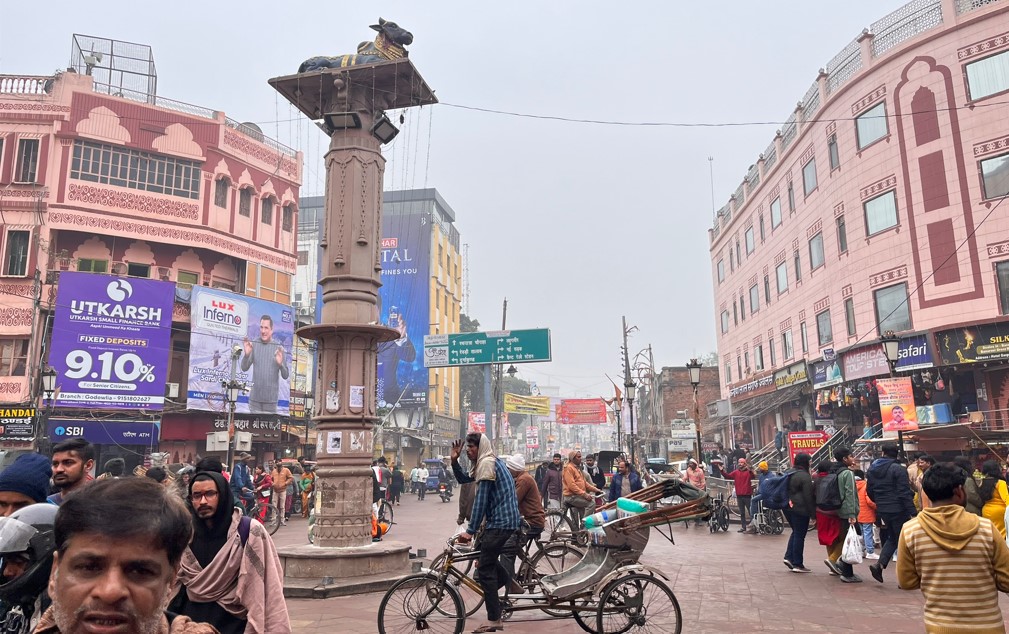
826,451
906,22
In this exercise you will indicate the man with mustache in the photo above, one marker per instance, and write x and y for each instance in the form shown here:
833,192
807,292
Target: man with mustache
73,461
115,576
230,575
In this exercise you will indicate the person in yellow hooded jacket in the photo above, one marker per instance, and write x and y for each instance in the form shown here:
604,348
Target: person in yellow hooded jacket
958,560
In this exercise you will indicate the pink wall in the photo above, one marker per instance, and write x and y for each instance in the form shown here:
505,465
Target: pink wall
929,160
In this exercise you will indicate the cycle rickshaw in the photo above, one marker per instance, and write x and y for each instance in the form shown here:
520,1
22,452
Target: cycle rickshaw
608,591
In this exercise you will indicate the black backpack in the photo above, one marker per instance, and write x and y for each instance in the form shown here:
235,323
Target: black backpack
775,490
828,493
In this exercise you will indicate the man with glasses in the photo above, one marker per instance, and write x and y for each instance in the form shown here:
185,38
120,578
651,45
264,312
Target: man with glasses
230,575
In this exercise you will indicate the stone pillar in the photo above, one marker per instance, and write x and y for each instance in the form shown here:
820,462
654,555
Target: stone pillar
348,332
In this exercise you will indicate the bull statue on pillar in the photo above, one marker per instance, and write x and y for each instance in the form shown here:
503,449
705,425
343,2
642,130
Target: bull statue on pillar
389,44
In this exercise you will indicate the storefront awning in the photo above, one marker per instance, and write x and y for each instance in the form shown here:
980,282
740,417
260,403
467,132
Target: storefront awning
759,405
959,430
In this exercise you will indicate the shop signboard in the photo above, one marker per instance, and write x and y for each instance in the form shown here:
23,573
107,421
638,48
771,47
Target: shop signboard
755,386
826,374
914,353
533,405
792,375
805,442
896,404
582,411
100,432
981,342
110,341
263,334
864,362
404,306
476,423
17,423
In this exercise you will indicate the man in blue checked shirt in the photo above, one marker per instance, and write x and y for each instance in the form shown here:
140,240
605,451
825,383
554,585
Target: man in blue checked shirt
496,506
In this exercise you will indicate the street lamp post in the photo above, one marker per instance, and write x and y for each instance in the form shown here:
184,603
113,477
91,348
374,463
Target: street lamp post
694,368
48,390
232,389
891,348
630,385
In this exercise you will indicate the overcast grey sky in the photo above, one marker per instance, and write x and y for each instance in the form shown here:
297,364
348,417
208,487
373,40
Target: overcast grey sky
577,224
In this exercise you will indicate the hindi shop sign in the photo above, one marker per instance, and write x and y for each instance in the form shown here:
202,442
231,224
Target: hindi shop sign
896,404
582,411
17,423
754,387
533,405
805,442
110,341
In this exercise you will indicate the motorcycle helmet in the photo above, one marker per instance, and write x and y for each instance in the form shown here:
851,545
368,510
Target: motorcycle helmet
27,544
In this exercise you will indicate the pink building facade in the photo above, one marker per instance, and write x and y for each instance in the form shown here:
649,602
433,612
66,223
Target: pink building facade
153,189
877,207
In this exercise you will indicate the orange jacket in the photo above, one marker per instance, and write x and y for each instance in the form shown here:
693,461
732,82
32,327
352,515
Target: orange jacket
573,479
866,507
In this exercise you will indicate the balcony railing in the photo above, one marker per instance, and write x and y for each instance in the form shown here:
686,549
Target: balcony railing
25,85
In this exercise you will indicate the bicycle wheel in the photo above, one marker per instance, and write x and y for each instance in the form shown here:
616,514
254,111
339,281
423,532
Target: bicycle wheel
558,526
385,512
420,603
638,602
471,600
269,516
723,518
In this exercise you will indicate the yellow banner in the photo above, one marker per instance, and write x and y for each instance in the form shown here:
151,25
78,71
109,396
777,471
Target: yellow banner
535,405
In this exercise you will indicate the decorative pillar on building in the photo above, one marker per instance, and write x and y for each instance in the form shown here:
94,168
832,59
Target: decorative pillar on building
349,96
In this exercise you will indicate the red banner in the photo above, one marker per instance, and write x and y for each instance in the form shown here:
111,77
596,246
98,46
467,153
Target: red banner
582,411
805,442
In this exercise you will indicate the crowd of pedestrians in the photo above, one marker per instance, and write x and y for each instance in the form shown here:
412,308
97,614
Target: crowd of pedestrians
120,553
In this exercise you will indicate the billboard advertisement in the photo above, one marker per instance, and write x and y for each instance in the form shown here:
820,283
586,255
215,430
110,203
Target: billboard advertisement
532,437
826,374
263,332
110,341
582,411
404,305
970,344
17,423
896,404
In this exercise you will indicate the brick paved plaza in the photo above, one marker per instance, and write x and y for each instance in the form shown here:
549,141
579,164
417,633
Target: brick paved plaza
725,582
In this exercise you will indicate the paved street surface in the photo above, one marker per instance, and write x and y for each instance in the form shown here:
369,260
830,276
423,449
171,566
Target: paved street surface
725,582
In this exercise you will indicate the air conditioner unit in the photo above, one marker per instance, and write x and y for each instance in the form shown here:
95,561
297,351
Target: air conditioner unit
243,441
217,441
172,390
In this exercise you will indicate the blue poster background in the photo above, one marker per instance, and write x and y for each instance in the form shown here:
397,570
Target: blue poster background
110,341
222,320
404,304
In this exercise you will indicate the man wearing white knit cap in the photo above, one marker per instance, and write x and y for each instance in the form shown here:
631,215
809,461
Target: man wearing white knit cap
530,507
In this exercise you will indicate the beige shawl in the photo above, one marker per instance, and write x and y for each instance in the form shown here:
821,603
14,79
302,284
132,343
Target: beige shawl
248,583
483,468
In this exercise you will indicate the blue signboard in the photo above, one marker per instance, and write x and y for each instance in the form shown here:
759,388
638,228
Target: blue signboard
104,432
826,374
914,353
405,306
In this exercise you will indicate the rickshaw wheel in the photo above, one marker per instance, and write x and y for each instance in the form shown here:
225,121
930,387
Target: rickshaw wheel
638,602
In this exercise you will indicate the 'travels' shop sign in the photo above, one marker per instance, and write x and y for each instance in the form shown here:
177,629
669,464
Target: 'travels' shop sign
865,361
754,387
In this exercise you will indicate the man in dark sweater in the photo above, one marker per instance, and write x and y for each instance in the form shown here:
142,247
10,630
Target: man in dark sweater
266,358
552,487
889,489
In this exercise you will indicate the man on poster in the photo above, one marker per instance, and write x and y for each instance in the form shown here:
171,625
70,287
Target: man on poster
390,354
266,358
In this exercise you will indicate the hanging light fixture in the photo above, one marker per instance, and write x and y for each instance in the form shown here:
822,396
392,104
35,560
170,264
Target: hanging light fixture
383,129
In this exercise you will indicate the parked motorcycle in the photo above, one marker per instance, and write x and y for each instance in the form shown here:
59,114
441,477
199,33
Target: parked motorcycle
444,492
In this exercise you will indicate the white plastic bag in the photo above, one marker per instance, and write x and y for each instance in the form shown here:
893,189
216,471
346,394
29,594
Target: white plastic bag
852,553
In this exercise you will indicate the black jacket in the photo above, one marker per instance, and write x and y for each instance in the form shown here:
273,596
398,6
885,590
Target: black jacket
801,493
888,487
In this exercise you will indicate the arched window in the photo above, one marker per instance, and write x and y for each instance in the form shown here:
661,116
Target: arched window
221,192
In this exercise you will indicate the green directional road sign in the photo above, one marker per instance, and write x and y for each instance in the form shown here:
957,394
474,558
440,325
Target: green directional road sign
481,348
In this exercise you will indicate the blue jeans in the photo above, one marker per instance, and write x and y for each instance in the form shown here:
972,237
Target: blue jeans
870,545
797,540
754,501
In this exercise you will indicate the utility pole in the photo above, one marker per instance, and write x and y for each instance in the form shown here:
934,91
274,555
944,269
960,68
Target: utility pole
630,386
498,423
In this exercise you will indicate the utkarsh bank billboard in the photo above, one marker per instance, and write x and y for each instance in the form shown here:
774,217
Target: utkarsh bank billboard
110,341
405,306
263,332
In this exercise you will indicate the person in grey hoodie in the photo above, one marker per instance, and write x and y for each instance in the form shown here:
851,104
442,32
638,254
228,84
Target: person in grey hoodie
889,488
